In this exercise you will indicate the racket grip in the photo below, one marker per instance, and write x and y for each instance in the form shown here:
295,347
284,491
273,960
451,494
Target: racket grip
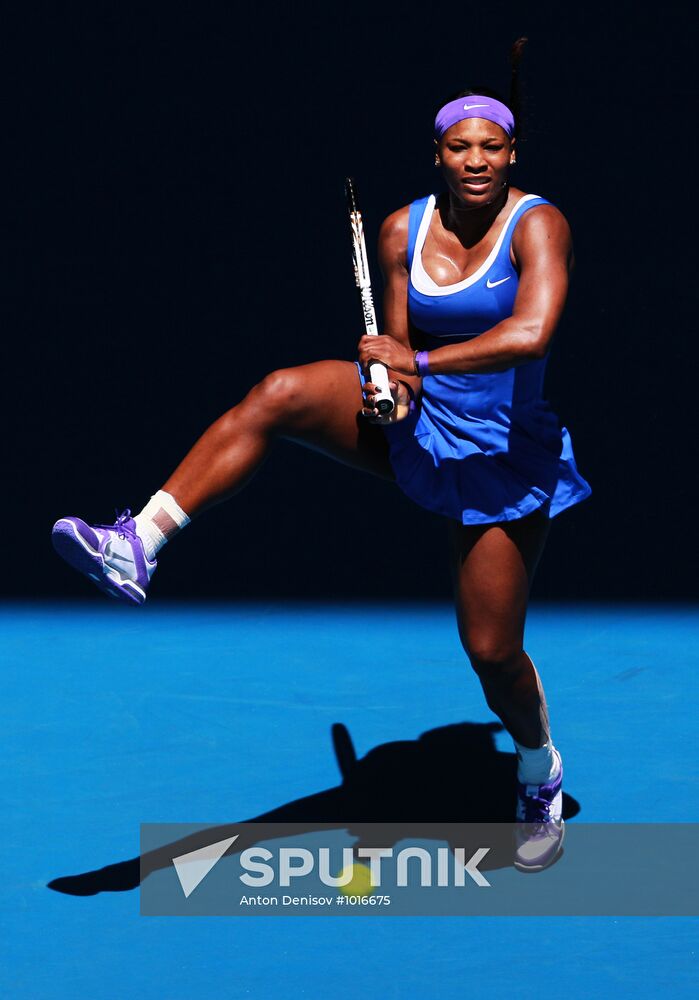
378,374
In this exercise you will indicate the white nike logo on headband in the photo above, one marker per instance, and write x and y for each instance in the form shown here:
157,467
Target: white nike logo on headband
492,284
469,107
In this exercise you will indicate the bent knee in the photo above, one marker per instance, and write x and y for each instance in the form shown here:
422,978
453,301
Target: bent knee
280,397
492,657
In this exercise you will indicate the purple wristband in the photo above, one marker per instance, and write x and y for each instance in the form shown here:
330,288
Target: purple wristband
421,363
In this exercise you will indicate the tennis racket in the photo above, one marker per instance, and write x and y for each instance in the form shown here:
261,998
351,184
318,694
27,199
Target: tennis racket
378,373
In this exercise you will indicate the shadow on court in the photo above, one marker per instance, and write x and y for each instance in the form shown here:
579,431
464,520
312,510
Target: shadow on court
451,775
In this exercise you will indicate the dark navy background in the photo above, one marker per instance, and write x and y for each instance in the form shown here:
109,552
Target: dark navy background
173,227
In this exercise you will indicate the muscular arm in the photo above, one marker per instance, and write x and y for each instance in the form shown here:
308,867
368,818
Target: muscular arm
543,251
393,260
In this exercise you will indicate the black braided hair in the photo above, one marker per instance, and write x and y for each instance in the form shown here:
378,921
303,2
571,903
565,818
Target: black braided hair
515,102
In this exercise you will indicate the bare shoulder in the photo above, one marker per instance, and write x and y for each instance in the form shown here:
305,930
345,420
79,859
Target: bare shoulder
543,222
396,224
542,229
393,237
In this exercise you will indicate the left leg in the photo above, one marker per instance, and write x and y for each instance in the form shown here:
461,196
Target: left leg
493,571
493,567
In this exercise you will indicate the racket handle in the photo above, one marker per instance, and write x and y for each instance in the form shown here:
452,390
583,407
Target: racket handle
383,400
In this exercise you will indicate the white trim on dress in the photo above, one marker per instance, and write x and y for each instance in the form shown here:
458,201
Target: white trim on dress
419,277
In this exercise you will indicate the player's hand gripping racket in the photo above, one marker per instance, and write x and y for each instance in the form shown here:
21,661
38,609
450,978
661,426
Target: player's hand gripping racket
378,374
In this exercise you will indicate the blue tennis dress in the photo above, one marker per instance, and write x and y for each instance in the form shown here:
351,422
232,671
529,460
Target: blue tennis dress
480,448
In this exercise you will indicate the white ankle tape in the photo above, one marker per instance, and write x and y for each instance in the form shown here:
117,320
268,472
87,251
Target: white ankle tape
159,521
536,765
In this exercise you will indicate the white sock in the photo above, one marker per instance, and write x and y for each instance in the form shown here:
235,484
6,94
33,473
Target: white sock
535,766
159,521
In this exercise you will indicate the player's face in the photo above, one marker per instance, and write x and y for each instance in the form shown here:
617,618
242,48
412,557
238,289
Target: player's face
475,157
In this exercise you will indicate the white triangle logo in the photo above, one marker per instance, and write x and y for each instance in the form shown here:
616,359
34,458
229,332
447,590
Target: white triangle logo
192,868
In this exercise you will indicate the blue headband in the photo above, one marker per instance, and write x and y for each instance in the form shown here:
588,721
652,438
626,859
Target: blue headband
474,106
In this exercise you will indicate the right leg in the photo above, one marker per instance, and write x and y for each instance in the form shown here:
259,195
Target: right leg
317,405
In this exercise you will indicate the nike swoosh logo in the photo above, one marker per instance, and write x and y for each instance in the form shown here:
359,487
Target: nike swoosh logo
469,107
492,284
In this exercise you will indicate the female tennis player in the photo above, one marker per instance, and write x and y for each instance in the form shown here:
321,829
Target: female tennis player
475,283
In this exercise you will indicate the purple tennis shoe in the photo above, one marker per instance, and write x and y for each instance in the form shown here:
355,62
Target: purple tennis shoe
540,828
111,555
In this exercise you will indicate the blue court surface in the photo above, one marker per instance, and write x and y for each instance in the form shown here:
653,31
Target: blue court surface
194,713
